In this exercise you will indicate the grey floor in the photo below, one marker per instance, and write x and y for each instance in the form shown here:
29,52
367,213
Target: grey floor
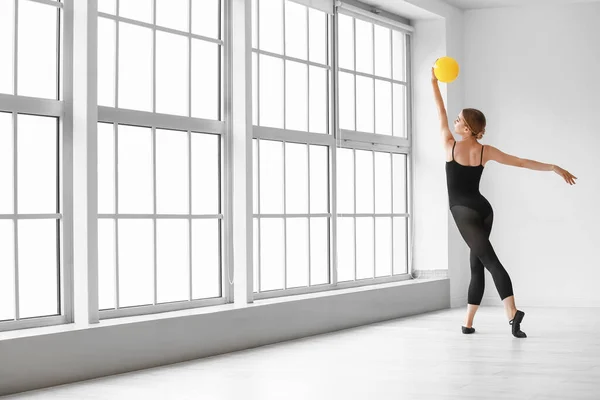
420,357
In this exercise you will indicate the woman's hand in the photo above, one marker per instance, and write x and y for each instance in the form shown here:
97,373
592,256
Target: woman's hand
567,176
434,79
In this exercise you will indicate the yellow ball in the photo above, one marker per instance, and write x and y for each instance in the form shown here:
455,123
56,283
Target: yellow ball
446,69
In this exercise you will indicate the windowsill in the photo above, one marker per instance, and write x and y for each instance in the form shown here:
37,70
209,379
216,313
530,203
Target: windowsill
49,330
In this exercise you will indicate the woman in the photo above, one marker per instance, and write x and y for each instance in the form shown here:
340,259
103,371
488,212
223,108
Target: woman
471,211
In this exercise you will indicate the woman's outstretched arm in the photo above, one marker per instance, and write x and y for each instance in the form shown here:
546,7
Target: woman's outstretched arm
443,117
492,153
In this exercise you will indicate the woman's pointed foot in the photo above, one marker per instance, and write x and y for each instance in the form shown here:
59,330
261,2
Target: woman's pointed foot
516,324
466,330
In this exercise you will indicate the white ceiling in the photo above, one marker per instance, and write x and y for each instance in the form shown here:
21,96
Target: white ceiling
473,4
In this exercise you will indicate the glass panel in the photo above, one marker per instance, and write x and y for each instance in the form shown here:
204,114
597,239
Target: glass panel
107,6
346,98
346,41
136,262
364,46
345,249
399,165
364,181
37,50
7,270
271,177
171,74
205,80
205,173
206,268
295,30
205,18
106,264
254,24
399,110
364,248
297,252
7,27
319,251
383,107
271,25
254,89
172,172
319,179
383,57
135,67
296,175
106,169
296,96
383,183
399,59
140,10
255,254
317,22
38,268
6,163
254,176
172,261
271,91
172,14
345,181
106,62
318,100
135,170
364,104
400,246
36,164
271,254
383,247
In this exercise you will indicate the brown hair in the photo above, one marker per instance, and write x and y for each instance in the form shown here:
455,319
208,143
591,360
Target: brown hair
475,121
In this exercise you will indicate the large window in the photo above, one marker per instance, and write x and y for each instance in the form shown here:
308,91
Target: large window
32,234
159,155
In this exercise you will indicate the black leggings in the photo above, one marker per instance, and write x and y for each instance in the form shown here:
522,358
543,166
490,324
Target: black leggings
475,230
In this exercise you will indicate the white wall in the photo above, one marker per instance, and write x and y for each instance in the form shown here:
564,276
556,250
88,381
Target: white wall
534,73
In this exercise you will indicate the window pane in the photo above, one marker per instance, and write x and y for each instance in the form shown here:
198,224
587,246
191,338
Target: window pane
364,46
38,268
383,183
271,25
400,253
383,247
37,159
7,27
106,264
171,74
205,80
255,254
364,104
296,175
297,252
346,98
172,261
319,251
271,177
346,42
383,58
254,24
135,170
37,50
296,96
135,67
206,278
254,89
107,6
106,169
205,18
7,270
364,248
271,254
295,30
345,181
317,22
136,262
6,163
254,176
364,181
383,107
399,110
399,164
140,10
205,173
319,179
345,249
398,41
318,104
172,14
106,62
171,172
271,91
